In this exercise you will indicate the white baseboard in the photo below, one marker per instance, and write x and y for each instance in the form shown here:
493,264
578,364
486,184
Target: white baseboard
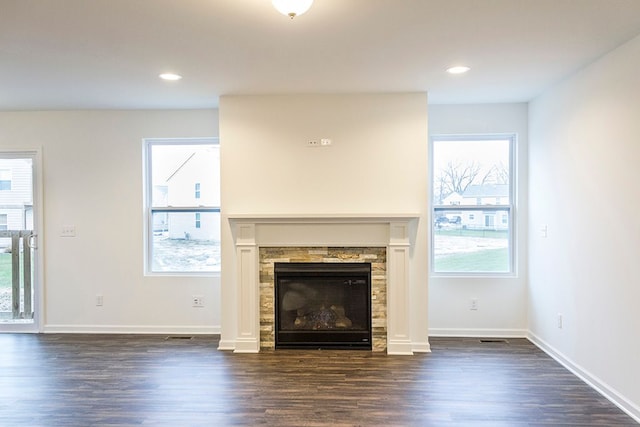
421,347
478,333
594,382
227,345
131,329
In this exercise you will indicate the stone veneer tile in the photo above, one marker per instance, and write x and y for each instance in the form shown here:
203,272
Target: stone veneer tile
377,256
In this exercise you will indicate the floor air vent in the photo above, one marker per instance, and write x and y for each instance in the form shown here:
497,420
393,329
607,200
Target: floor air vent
494,341
178,337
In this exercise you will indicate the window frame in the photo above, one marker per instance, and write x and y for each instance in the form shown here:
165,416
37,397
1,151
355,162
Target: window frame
150,210
6,179
510,208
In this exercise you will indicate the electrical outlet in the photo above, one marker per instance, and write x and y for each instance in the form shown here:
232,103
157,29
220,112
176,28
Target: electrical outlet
559,321
313,143
68,231
325,142
99,300
197,301
544,231
474,304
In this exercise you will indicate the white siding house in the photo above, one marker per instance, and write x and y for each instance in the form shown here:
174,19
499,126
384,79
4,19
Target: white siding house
486,194
194,183
453,199
16,198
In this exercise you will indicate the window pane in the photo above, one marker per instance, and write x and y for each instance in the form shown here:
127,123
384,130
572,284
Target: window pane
177,169
180,244
471,241
469,173
16,196
5,176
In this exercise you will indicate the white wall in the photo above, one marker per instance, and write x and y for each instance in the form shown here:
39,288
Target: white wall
584,175
502,309
376,164
92,163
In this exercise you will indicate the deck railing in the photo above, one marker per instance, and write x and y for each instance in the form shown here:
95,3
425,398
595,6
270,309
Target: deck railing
28,242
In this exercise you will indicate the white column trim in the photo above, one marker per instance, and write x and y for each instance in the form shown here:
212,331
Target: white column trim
248,310
398,302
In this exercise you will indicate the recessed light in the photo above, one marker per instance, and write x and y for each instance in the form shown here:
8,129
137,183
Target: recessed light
170,76
458,69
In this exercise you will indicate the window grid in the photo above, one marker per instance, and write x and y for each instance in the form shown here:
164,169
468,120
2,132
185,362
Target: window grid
5,180
486,220
175,244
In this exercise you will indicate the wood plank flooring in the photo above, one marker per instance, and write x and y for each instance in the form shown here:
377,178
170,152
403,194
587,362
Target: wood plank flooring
148,380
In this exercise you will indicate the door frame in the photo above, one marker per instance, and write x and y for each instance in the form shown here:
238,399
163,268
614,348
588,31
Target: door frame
38,254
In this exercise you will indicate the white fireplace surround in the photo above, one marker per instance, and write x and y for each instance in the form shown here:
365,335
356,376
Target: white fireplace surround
393,231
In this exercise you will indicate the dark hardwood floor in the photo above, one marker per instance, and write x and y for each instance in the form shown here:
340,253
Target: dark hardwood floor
127,380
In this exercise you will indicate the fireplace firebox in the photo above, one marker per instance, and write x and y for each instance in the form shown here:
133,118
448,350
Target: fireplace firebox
322,305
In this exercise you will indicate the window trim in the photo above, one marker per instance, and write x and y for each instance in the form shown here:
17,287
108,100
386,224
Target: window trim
6,184
511,208
149,210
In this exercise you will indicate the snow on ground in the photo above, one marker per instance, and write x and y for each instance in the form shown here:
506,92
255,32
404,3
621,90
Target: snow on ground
445,245
185,255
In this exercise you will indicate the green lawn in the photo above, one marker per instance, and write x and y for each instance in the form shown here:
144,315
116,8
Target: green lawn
5,270
489,260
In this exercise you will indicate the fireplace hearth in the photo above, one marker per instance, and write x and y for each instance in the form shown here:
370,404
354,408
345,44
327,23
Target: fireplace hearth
322,305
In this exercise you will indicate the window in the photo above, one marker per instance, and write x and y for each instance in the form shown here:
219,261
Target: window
182,182
5,180
475,234
3,222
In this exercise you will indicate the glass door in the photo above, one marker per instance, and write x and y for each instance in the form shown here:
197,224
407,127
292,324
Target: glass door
18,242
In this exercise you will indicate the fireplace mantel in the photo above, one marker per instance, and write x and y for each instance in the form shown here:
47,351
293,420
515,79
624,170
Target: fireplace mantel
320,218
393,231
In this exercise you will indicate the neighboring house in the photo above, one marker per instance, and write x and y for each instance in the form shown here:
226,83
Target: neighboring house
452,199
193,183
16,195
487,194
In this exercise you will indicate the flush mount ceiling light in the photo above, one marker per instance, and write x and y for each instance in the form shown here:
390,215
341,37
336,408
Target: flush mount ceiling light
460,69
292,8
170,76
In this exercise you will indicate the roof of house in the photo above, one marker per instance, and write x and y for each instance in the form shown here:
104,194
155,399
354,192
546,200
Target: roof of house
487,190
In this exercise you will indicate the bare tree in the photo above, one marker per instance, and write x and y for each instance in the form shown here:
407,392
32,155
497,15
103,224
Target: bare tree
456,177
441,188
498,174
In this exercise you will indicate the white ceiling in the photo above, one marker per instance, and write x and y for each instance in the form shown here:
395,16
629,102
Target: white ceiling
76,54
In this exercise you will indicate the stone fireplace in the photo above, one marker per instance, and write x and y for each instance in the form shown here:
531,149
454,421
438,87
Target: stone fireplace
374,257
383,240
